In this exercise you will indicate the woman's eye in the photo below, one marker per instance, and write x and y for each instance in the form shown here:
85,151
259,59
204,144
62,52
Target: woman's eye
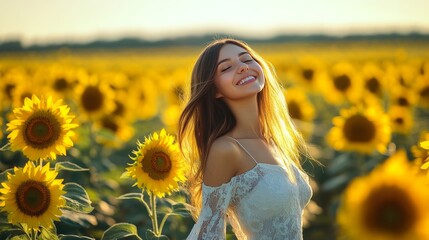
248,60
223,70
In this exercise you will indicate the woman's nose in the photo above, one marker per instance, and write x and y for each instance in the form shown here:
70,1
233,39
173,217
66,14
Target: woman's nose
243,67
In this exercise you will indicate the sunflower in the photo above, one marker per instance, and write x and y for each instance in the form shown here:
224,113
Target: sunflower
373,79
359,129
384,205
402,96
95,98
1,129
158,167
343,84
298,105
401,119
308,73
421,87
32,196
421,155
41,128
119,131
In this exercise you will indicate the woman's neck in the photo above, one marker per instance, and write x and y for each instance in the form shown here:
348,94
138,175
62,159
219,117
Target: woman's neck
247,116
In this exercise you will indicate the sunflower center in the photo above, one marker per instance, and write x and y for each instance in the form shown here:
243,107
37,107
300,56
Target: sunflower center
119,108
110,124
92,99
308,74
373,85
389,209
41,130
33,198
60,84
8,89
359,129
157,164
399,121
294,110
403,102
342,82
424,93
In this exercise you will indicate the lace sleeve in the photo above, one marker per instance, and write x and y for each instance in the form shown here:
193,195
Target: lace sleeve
211,223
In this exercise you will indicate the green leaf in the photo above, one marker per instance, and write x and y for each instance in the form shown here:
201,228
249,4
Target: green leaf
77,198
341,163
74,237
69,166
120,230
150,235
48,234
135,196
339,181
3,175
77,219
181,209
20,237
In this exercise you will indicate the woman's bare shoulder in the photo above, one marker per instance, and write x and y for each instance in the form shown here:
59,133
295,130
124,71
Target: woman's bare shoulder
222,162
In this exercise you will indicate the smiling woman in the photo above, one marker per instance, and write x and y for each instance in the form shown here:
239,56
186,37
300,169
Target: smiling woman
245,152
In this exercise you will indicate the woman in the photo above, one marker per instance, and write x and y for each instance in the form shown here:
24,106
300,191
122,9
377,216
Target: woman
243,147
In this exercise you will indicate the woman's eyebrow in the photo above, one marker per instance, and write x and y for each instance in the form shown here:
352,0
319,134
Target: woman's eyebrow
227,59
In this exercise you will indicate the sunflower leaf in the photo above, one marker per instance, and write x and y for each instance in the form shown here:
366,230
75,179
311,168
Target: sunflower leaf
341,163
339,181
69,166
77,219
77,198
120,230
19,237
135,196
3,175
150,235
47,234
74,237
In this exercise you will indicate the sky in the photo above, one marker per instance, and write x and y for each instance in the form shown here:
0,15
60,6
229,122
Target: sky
59,21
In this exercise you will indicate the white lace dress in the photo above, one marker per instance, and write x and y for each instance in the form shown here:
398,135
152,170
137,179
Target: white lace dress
261,203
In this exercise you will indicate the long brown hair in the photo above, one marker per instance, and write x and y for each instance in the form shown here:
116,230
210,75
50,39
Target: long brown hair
205,117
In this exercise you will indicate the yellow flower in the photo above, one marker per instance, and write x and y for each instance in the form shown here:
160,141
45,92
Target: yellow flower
94,97
308,73
389,203
119,131
32,196
421,155
362,130
158,167
425,145
298,105
401,119
1,129
421,87
41,129
343,84
373,78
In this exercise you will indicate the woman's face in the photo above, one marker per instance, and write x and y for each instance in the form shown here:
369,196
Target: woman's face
237,75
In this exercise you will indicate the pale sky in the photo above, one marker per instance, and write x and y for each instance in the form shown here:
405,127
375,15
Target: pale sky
48,21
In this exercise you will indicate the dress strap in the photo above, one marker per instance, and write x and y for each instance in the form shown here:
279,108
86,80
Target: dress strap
244,149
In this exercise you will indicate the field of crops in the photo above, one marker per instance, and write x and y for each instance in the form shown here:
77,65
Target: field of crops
363,108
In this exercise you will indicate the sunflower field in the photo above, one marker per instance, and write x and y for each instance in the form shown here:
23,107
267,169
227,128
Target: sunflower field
88,147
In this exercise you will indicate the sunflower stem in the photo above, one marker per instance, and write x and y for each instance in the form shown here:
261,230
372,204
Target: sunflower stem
154,215
33,234
5,147
164,219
